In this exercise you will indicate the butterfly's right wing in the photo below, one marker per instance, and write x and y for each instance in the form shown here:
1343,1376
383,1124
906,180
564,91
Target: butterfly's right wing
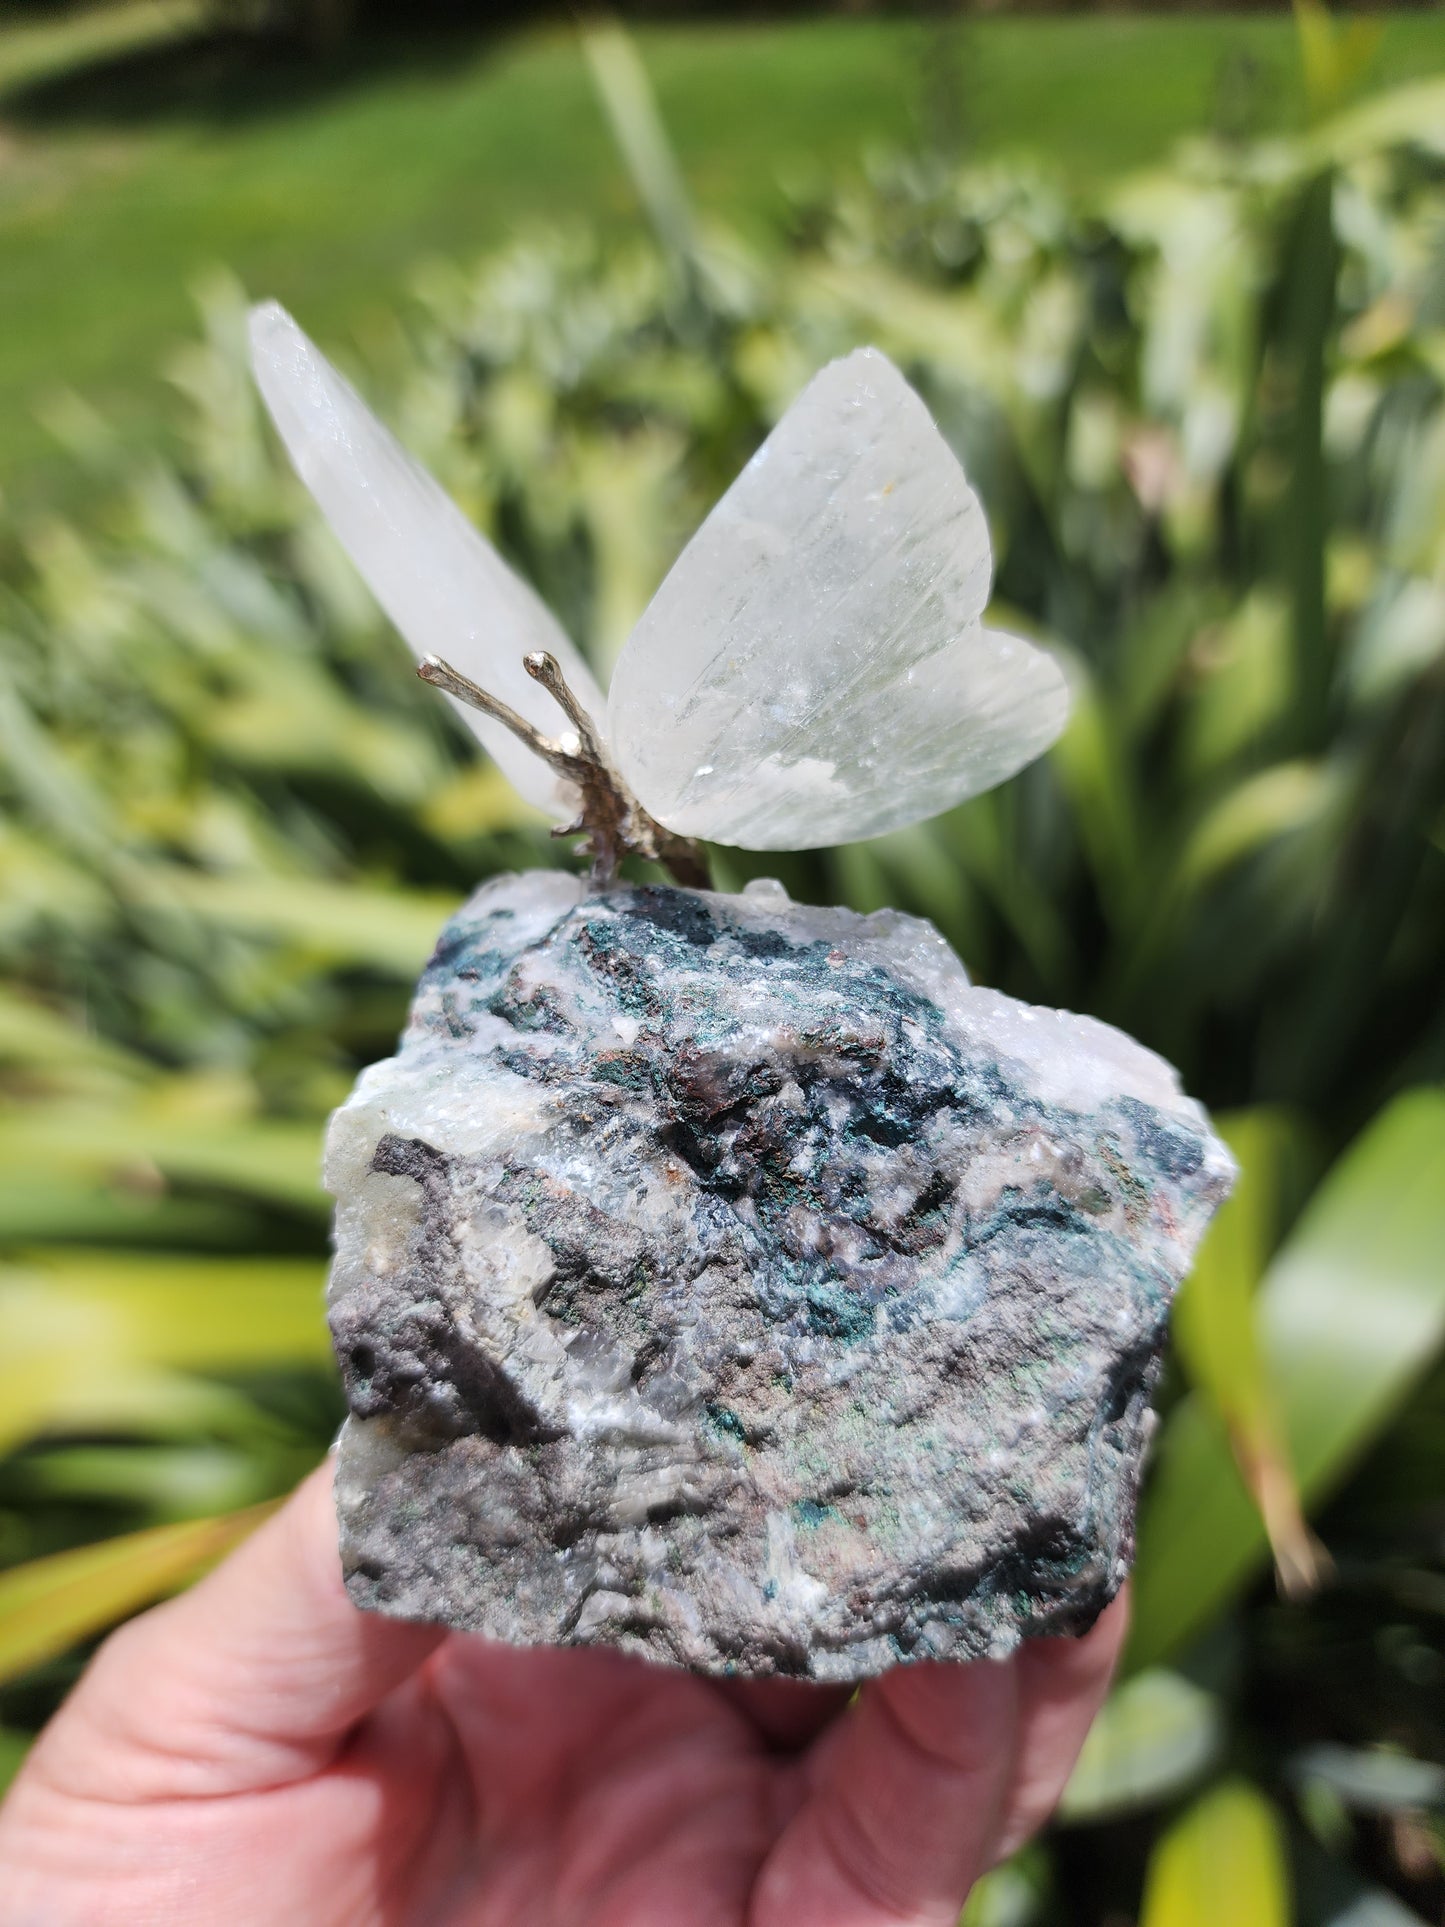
814,668
443,584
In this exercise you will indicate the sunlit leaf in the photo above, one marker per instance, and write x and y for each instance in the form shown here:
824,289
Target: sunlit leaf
390,930
910,320
477,801
1289,797
1412,115
90,1336
51,1603
626,495
1157,1735
82,1207
1334,53
169,1481
1402,636
268,1159
291,716
1352,1310
1222,1860
41,886
1216,1331
44,1040
1241,682
1376,1781
34,52
1010,1896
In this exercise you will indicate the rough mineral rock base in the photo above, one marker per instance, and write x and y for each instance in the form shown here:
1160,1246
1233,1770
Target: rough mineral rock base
728,1281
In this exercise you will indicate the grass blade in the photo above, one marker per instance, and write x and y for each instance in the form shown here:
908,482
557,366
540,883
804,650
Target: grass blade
632,113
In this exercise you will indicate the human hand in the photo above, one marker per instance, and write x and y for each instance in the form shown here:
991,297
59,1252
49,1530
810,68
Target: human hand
258,1752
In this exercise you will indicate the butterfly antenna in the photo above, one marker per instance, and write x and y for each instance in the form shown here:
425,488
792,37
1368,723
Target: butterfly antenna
611,818
441,675
544,668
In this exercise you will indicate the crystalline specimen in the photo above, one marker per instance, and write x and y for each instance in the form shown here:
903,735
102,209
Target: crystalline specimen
441,583
814,668
729,1281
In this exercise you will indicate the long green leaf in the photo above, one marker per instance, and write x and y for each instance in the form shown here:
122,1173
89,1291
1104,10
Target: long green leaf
1095,770
1276,802
1351,1313
75,1208
1222,1862
1216,1331
35,49
1309,309
43,1040
389,930
51,1603
274,1160
92,1337
1411,116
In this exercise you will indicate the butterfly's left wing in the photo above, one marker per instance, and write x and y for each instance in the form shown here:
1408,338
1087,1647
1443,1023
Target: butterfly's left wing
439,579
813,669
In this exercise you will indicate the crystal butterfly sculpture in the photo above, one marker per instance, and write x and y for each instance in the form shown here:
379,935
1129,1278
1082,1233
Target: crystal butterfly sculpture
813,670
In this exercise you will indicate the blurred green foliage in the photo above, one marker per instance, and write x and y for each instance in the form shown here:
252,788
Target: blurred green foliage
1204,409
141,143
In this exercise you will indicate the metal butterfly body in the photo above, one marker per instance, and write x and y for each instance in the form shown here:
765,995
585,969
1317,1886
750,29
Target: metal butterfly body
813,670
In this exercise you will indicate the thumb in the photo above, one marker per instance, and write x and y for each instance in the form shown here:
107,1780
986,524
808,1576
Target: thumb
253,1678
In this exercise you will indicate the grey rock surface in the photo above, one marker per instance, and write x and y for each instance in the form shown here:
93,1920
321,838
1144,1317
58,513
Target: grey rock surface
729,1281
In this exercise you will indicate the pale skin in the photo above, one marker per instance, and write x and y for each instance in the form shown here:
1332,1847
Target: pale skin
258,1752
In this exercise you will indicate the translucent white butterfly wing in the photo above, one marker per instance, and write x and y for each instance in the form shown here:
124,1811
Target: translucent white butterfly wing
813,669
443,585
